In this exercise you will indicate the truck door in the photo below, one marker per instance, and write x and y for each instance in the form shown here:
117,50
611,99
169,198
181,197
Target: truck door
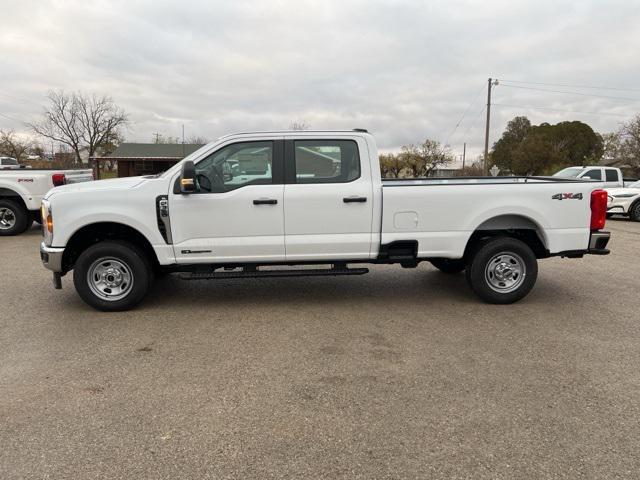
237,214
611,178
328,202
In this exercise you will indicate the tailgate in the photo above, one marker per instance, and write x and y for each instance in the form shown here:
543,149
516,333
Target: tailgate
78,176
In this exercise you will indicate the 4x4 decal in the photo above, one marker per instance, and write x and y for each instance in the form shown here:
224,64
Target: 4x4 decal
567,196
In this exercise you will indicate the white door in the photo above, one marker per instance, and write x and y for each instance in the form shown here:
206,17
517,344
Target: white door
328,203
237,214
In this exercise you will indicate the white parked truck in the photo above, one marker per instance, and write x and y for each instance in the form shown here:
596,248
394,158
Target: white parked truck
22,190
610,176
248,202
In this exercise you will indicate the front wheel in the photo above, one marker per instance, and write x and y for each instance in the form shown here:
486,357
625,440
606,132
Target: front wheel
112,276
634,212
502,270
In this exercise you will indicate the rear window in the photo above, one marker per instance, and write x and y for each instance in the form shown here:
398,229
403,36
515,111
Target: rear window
611,175
9,161
326,161
571,172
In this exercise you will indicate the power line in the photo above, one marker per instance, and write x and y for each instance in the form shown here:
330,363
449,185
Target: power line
20,99
11,118
463,115
571,93
559,110
574,86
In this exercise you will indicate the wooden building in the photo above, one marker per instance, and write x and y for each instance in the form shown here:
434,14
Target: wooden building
134,159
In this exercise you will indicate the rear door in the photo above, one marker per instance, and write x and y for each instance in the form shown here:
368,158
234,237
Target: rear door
612,178
237,215
328,202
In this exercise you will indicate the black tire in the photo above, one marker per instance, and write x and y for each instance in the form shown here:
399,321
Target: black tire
448,265
634,212
14,219
116,261
492,269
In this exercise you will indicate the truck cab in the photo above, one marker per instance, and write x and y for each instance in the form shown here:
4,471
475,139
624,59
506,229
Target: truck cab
610,176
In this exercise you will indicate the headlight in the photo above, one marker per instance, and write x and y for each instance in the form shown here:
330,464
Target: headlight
47,222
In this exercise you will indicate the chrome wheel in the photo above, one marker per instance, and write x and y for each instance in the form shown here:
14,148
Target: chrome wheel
7,218
110,279
505,272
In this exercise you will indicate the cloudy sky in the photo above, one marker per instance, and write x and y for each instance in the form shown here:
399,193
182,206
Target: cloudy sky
406,70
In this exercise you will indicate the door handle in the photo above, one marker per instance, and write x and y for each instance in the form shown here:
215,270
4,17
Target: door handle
265,201
354,199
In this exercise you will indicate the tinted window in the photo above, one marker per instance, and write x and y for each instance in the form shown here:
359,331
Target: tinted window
236,165
593,174
611,175
568,172
326,161
9,161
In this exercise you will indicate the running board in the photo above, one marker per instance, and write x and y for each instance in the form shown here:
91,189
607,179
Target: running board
316,272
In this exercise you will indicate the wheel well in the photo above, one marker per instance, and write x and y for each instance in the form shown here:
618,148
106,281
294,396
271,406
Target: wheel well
515,226
97,232
6,194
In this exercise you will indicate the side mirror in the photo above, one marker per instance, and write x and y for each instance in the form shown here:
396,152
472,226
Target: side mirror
188,178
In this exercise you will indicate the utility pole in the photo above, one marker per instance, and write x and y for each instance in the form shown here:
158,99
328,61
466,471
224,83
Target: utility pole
183,155
157,135
490,83
464,153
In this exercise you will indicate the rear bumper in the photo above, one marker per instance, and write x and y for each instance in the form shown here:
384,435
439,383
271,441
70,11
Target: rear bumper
598,243
51,257
597,246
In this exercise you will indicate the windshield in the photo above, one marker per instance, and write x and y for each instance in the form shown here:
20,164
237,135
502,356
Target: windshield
571,172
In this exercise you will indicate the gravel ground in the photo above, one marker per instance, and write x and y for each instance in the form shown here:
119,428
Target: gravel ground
396,374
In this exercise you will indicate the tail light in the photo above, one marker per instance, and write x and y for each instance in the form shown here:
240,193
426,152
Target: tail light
58,179
598,209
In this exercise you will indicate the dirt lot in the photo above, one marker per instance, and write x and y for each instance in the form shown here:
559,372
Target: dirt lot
397,374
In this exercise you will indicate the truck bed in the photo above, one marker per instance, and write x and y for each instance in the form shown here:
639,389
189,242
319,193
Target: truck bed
442,220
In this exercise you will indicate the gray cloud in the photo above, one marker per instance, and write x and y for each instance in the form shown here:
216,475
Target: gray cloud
404,69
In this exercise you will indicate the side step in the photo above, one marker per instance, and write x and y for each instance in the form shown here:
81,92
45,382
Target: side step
315,272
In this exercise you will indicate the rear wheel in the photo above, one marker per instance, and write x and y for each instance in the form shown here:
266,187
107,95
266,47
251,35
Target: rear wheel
14,219
634,213
112,276
502,270
448,265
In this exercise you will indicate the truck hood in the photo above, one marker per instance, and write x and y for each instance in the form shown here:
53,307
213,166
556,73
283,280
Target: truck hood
112,184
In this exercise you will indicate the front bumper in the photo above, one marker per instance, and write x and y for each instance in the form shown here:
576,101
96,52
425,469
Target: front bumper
51,257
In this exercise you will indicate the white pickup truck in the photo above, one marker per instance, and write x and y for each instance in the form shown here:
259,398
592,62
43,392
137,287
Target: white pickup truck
22,190
267,204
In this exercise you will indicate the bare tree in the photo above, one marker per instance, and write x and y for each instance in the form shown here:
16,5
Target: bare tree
630,144
197,140
162,139
424,158
299,125
80,121
12,146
